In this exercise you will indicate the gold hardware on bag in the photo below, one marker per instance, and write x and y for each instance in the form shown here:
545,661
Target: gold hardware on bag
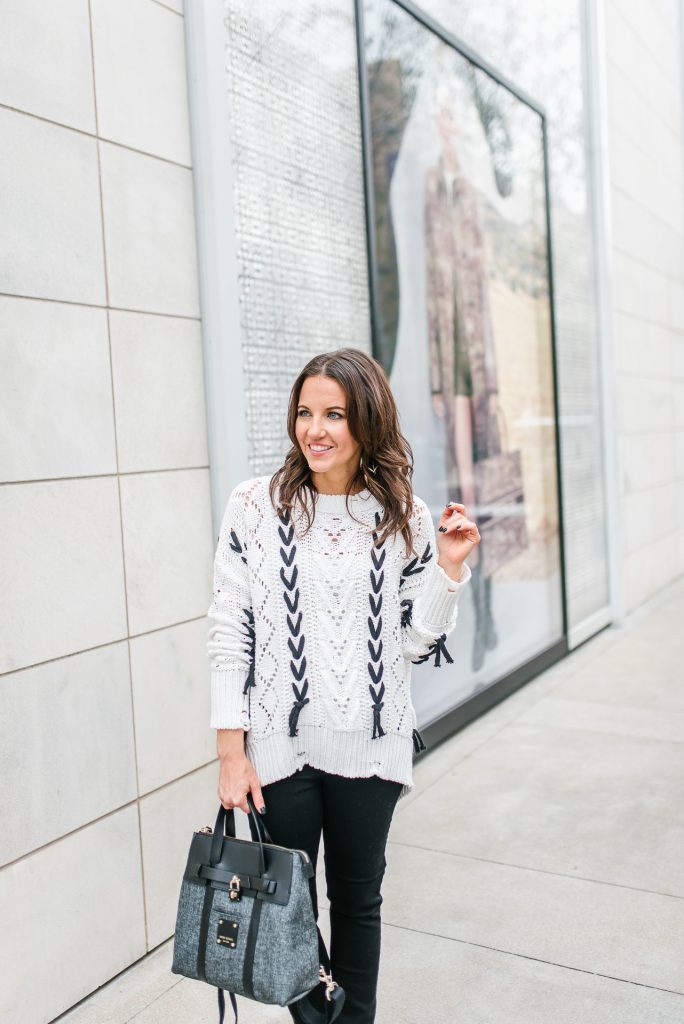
226,932
234,888
327,980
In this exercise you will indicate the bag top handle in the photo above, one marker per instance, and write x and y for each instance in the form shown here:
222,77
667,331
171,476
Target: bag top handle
225,828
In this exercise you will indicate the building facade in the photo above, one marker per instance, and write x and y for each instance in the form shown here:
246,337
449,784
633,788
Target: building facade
184,225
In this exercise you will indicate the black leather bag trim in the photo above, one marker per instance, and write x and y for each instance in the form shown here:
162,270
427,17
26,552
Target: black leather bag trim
254,883
241,857
204,931
250,946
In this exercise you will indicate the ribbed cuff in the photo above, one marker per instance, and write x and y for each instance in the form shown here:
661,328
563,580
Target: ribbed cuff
458,584
229,705
440,597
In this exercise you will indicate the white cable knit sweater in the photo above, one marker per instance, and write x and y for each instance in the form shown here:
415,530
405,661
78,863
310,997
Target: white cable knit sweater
313,637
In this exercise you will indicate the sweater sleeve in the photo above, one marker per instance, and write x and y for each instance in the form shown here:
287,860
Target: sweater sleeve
429,598
230,644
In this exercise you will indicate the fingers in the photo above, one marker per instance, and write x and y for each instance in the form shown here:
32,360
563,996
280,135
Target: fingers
241,803
258,798
240,800
469,530
463,526
455,520
450,510
453,513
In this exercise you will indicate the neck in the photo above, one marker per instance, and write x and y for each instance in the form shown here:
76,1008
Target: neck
325,484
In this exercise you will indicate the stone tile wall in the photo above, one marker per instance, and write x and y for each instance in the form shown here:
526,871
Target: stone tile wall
107,761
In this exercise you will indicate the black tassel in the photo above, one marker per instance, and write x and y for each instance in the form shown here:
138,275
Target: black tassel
249,681
441,648
438,648
378,705
407,613
418,744
301,700
377,727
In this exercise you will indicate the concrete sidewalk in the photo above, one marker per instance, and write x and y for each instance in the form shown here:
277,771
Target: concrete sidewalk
536,873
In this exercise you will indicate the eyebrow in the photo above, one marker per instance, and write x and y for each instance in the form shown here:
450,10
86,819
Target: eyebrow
301,405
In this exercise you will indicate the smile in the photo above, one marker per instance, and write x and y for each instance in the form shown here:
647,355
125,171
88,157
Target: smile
319,449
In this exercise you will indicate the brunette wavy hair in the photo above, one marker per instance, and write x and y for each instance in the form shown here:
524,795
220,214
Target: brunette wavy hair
386,465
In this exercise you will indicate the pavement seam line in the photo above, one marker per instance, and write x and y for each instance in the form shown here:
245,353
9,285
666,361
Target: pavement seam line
536,959
605,730
153,1001
541,871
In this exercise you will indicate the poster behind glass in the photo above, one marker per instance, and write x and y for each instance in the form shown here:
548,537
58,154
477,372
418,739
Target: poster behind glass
463,329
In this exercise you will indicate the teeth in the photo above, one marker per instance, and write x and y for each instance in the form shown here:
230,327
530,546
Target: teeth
320,447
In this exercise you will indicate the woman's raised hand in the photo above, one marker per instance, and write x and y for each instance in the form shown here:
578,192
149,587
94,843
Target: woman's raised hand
456,535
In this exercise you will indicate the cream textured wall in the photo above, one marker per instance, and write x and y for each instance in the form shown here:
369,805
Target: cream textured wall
645,141
106,541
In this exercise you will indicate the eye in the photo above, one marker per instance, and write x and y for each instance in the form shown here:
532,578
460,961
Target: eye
304,412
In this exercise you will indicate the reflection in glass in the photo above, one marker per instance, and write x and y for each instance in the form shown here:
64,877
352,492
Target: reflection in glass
463,329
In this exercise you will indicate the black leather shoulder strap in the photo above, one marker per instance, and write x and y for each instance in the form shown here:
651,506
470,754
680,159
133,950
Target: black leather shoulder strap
204,931
250,946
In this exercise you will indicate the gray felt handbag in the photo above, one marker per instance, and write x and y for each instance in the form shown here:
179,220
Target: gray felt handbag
245,921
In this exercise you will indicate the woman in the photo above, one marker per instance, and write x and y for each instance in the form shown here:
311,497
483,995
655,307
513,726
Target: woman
319,611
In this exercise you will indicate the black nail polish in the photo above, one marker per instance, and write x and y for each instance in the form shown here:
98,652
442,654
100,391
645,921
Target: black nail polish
262,810
442,529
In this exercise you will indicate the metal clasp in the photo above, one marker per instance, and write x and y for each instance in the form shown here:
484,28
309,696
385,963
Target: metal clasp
234,888
327,980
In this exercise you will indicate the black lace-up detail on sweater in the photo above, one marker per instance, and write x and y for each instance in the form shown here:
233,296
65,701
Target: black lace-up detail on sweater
237,546
415,566
439,647
288,574
435,650
248,616
358,657
375,665
406,611
248,627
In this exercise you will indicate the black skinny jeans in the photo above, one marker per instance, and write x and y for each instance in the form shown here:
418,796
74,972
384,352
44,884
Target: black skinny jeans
354,816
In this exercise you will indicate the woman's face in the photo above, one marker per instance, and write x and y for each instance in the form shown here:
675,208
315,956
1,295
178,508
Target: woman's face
322,420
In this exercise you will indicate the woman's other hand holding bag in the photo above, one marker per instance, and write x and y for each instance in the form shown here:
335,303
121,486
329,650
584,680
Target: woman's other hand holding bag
237,776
